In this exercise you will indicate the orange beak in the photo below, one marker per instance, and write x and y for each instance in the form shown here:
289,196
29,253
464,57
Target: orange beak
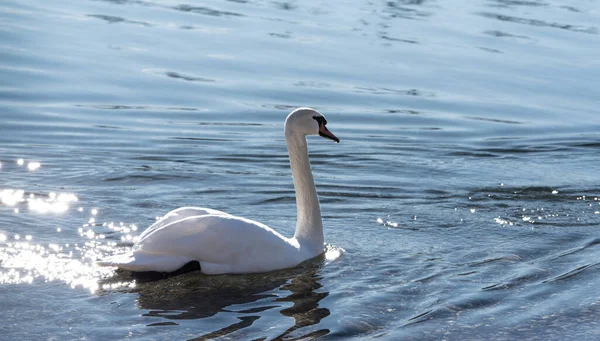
323,131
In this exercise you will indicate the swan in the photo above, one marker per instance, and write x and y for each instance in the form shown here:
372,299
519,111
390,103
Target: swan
226,244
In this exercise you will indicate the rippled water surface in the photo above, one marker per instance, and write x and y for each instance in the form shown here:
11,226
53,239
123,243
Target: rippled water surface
464,190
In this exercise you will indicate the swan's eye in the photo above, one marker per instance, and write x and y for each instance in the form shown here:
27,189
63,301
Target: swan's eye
320,119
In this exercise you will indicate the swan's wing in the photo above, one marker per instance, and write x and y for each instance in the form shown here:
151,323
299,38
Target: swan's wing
178,214
221,243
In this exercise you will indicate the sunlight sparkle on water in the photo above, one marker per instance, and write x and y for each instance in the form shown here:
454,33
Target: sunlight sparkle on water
387,223
33,166
503,221
333,253
52,204
23,262
10,197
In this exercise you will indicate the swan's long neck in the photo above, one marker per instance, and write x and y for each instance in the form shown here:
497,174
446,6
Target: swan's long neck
309,227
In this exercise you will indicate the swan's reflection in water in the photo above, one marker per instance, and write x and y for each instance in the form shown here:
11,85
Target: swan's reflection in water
292,293
305,299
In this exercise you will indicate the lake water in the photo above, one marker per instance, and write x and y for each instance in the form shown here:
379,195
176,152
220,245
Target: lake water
464,192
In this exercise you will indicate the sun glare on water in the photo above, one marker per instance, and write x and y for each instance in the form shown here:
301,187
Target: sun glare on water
24,260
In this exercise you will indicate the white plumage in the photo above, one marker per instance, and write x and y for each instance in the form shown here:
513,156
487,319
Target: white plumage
223,243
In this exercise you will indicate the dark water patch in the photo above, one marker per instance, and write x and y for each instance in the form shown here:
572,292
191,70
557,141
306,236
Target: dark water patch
102,126
162,324
571,8
387,91
506,258
591,144
501,192
182,109
419,128
202,139
501,34
514,146
231,124
208,191
132,107
277,200
468,273
286,35
245,321
285,5
145,178
405,111
254,310
313,84
179,76
421,317
487,49
475,302
206,11
511,3
286,107
362,195
592,242
540,23
128,2
405,9
523,149
494,120
541,194
529,276
116,20
571,273
569,252
153,158
474,154
113,106
429,277
402,40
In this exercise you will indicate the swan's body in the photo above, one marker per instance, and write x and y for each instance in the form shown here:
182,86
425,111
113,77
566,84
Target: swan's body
223,243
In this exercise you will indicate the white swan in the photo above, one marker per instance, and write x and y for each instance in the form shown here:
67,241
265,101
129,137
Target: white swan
223,243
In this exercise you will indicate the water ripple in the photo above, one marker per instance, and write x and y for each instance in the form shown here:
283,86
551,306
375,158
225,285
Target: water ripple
115,20
177,75
540,23
206,11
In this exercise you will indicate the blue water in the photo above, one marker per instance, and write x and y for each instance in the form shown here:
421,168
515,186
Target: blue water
464,190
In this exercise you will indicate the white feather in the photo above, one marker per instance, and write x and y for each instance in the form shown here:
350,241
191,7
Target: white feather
223,243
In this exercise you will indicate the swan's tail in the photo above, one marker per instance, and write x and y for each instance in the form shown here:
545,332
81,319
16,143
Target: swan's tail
141,261
117,260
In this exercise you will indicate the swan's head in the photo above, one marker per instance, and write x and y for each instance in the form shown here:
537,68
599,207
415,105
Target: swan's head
308,121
